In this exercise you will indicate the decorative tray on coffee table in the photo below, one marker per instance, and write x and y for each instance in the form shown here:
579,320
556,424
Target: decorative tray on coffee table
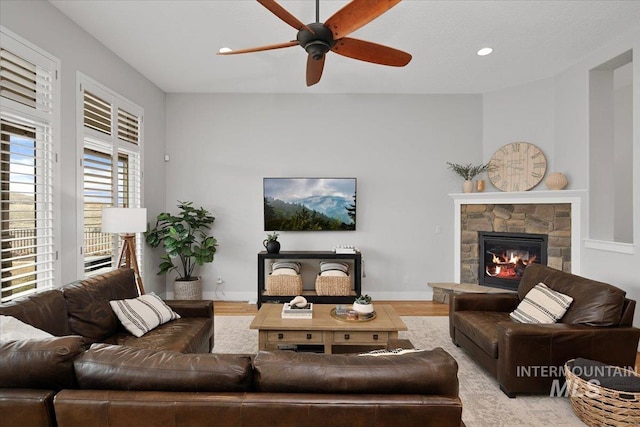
361,317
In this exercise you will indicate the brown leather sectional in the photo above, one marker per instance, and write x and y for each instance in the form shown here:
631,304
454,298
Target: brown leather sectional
528,358
78,315
120,386
95,374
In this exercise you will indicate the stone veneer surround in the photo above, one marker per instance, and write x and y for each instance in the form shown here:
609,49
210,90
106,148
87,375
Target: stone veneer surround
515,206
553,220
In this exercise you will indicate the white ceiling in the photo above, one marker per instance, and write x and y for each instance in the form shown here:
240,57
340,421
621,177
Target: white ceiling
174,43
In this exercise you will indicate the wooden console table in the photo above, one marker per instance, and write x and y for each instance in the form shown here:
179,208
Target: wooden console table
325,331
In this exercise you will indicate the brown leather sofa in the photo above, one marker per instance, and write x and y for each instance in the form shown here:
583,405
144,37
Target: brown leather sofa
528,358
79,314
123,386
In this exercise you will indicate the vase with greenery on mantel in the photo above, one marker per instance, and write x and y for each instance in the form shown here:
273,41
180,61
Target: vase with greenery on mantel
468,172
187,243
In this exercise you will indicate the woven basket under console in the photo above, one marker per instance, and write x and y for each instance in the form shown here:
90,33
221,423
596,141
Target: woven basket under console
283,285
333,285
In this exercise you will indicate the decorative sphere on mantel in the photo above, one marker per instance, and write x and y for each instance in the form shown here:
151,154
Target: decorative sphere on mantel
556,181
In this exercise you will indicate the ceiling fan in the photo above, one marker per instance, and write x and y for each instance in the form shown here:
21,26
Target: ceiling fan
318,38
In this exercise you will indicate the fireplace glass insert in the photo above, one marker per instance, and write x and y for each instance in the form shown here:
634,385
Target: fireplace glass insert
504,256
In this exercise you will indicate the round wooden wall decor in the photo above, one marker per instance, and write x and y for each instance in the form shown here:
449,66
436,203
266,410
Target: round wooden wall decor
518,166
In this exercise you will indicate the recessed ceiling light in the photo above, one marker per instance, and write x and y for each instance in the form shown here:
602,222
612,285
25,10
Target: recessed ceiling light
485,51
225,50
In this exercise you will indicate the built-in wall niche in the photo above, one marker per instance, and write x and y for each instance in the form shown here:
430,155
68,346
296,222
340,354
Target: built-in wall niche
611,154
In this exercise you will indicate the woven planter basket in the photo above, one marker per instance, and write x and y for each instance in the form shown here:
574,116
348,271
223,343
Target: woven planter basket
187,289
599,406
283,285
333,285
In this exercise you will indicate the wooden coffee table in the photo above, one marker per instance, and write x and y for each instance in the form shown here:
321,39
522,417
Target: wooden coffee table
323,330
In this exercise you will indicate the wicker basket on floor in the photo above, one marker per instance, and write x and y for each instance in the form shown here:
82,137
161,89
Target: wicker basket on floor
601,406
283,285
333,285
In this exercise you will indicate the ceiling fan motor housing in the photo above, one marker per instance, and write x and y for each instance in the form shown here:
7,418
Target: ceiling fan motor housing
316,44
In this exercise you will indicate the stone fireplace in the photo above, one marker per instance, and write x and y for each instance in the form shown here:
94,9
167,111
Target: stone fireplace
553,214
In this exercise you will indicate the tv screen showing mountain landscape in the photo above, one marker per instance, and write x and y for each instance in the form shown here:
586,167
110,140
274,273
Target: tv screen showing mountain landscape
309,204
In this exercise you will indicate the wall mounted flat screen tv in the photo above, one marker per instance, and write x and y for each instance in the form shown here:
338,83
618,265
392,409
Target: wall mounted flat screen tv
309,204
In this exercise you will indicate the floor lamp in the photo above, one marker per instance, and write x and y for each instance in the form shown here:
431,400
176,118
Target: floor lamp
126,222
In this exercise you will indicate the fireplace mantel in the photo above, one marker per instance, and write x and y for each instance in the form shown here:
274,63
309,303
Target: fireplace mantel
577,199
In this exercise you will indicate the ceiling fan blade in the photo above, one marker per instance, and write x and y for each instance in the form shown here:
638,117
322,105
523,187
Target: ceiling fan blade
283,14
261,48
356,14
371,52
314,69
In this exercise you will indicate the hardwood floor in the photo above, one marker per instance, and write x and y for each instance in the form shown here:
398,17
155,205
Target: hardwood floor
403,308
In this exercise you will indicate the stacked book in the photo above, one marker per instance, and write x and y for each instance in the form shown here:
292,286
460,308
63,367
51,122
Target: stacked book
294,312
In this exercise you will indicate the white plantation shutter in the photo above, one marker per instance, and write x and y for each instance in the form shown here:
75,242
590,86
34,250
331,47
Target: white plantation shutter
112,173
128,127
28,92
98,194
97,113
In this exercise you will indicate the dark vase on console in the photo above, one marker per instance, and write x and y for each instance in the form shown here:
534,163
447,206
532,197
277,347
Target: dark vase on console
273,246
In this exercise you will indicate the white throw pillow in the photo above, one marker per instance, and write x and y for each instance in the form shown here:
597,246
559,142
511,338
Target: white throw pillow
142,314
326,266
334,273
541,305
284,272
286,264
12,329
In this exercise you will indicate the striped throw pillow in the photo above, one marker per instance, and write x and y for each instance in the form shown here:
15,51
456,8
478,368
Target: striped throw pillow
541,305
286,264
327,267
142,314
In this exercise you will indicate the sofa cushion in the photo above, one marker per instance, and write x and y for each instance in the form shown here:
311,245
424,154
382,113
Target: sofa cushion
43,364
44,310
90,314
480,327
142,314
541,305
423,372
112,367
186,335
11,329
594,303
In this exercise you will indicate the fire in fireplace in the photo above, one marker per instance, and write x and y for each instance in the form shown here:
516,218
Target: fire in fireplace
504,256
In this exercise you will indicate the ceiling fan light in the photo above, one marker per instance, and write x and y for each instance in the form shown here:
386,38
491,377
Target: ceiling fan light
484,51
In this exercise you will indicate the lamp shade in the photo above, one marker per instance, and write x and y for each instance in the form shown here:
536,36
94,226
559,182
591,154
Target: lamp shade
124,220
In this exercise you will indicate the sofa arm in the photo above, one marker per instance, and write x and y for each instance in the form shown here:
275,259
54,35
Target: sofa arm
532,356
192,308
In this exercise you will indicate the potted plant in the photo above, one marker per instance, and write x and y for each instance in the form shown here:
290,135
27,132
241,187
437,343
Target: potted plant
468,172
187,244
363,304
271,243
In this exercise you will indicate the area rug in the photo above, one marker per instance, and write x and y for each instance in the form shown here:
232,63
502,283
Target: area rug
484,405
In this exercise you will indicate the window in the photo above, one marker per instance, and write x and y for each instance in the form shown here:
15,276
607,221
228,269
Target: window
28,167
111,170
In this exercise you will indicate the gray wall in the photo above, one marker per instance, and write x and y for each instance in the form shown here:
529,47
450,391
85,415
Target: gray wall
44,26
397,146
554,113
